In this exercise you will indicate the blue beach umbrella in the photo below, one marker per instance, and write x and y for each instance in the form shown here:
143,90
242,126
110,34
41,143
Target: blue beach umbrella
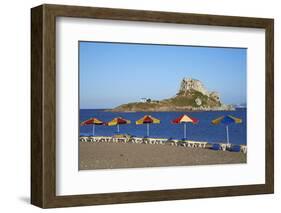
226,120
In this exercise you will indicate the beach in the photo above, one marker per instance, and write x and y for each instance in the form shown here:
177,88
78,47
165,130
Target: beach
133,155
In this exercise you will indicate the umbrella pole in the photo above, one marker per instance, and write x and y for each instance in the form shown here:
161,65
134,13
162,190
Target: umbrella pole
227,135
93,129
184,133
118,128
147,129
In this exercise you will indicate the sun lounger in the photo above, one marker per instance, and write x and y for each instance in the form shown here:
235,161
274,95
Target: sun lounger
92,139
201,144
98,139
223,146
196,144
83,139
191,144
244,149
132,140
151,140
157,141
185,144
138,140
216,146
154,140
176,143
122,140
168,142
163,141
235,148
208,146
101,140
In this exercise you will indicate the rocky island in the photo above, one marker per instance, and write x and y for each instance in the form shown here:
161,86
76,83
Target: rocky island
192,96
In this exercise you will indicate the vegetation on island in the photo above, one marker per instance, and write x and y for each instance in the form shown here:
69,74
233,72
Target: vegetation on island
192,96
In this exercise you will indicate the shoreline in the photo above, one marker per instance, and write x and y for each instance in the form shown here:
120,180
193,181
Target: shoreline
173,110
209,110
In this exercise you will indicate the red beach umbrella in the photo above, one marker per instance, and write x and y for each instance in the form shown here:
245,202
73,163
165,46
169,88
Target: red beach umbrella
118,121
92,121
147,119
226,120
185,119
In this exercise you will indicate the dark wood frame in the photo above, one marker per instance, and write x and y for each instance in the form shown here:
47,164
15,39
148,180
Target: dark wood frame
43,105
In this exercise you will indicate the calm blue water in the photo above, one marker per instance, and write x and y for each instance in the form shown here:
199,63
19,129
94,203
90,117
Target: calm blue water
203,131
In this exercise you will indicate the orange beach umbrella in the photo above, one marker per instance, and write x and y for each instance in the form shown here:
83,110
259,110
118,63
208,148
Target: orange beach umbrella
92,121
118,121
185,119
147,119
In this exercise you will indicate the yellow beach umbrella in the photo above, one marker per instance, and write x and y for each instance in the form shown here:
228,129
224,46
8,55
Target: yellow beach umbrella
147,119
118,121
226,120
92,121
185,119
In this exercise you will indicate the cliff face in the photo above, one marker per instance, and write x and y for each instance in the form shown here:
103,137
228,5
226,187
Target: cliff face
192,96
189,84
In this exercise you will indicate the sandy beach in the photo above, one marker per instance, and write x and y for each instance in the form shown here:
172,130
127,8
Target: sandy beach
128,155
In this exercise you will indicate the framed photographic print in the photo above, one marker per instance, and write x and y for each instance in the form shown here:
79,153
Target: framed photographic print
136,106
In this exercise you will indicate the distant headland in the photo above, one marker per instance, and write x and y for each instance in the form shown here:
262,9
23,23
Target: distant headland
192,96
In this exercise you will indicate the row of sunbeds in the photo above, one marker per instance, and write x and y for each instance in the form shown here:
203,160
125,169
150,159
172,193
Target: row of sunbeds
164,141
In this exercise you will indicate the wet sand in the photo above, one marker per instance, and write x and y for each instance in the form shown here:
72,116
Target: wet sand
120,155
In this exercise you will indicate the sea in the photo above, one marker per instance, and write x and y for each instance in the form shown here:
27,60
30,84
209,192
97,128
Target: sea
204,130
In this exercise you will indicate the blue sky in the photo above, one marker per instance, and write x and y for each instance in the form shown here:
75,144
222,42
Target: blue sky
114,73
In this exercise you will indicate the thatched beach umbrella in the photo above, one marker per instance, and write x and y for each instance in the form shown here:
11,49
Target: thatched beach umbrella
226,120
118,121
185,119
147,119
92,121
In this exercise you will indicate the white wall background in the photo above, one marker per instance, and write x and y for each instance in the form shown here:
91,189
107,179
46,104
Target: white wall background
15,104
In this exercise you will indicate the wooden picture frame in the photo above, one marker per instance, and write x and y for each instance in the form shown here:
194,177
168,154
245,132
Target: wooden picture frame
43,105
